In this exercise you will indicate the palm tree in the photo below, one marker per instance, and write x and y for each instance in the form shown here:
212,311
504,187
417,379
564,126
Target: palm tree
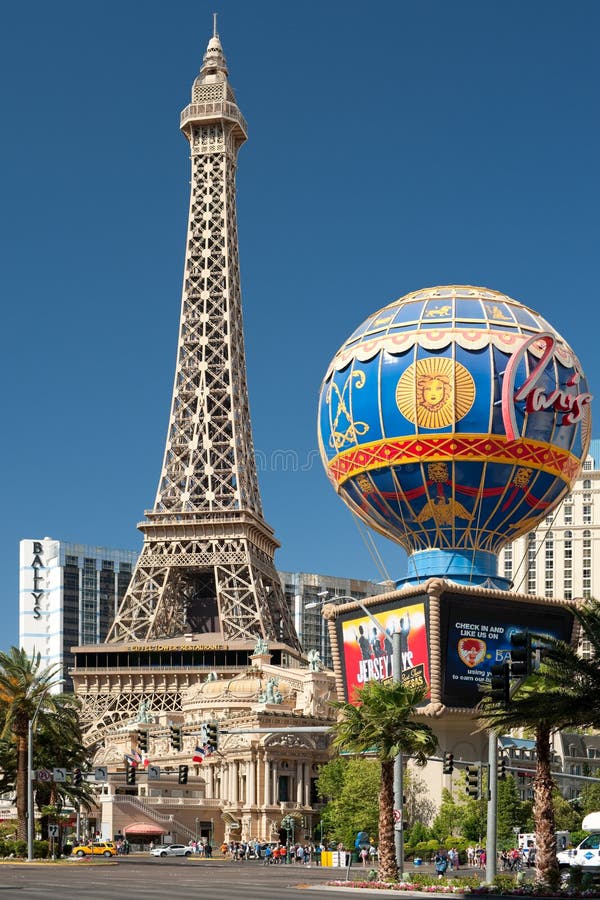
381,724
24,693
559,695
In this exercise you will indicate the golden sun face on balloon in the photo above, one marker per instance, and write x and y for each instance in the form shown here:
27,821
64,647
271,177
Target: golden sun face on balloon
435,392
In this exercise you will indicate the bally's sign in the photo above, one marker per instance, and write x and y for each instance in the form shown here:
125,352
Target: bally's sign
36,565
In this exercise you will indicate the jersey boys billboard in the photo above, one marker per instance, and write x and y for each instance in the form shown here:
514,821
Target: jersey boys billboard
478,636
366,652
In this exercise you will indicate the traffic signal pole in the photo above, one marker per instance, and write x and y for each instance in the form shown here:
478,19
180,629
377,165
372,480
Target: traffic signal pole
398,766
492,807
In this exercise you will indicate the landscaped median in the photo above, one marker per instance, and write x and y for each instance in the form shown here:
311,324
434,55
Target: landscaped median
505,885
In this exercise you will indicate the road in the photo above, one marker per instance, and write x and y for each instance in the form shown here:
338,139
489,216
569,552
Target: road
163,879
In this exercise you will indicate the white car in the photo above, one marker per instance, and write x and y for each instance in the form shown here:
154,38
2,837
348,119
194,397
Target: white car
172,850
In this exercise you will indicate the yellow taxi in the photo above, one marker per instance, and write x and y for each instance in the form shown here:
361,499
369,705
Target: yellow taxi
95,848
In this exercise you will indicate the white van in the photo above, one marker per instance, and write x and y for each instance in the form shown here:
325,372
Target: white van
587,854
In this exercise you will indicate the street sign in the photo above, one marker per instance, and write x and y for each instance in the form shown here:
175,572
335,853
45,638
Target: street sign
44,775
100,773
397,815
153,773
59,774
53,831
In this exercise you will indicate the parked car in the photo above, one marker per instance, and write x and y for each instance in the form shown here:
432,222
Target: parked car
97,848
172,850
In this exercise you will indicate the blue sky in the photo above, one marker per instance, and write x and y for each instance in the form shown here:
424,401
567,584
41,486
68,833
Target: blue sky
391,146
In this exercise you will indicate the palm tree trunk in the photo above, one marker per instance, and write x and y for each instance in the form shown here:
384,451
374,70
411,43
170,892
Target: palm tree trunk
21,787
546,864
388,867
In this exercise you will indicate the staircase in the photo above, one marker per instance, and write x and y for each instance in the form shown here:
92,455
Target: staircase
169,823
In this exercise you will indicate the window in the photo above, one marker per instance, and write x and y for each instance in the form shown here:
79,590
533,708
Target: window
508,561
568,565
587,564
531,571
587,514
549,565
568,513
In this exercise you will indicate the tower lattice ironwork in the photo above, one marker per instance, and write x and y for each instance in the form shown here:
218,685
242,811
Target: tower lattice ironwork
206,564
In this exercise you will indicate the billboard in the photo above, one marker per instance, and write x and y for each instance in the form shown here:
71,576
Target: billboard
366,652
477,636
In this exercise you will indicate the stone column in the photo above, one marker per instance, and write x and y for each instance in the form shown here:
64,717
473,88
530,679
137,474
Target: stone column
251,782
267,791
307,782
299,783
234,786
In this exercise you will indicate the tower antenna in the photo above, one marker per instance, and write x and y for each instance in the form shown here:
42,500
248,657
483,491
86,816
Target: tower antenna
215,24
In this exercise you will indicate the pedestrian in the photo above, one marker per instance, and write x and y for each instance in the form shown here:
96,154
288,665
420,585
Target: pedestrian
268,855
440,864
364,855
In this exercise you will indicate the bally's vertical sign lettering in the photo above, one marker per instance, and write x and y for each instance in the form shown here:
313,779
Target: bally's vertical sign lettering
36,565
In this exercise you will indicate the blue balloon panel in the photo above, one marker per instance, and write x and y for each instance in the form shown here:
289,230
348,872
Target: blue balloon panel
454,420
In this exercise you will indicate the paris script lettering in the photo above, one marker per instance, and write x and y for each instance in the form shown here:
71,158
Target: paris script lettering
536,399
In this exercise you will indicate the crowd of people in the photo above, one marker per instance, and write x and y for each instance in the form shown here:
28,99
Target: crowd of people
273,854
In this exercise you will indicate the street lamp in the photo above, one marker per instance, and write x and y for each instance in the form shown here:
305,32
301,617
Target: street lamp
398,761
30,730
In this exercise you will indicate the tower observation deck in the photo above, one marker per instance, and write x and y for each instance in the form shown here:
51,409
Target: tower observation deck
207,561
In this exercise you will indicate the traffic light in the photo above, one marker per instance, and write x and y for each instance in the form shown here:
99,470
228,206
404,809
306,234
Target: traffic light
500,684
183,775
175,733
521,660
77,777
212,736
473,781
501,768
130,775
448,764
142,740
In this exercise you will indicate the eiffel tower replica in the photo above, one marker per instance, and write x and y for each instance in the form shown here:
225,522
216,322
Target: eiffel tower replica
206,577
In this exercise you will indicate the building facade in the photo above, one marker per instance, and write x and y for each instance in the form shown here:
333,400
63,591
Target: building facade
68,595
306,593
560,557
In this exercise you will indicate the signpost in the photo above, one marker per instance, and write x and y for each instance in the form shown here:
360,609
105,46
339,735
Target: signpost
59,775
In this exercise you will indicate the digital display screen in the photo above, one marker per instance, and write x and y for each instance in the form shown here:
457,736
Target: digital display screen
477,636
366,650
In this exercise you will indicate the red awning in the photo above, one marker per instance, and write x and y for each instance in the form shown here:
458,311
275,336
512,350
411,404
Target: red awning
144,828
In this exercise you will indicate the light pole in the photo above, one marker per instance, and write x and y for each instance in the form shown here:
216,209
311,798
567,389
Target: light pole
398,761
30,730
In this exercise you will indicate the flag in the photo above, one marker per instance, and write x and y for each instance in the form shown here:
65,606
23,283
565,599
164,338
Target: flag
199,754
131,760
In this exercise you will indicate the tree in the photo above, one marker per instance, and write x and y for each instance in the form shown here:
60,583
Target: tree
512,813
353,804
25,691
382,723
449,818
559,695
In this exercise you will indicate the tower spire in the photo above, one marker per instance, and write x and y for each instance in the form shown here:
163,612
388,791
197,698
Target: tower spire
207,564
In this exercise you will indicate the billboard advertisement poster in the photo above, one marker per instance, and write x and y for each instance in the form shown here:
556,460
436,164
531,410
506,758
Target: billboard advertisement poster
478,636
366,653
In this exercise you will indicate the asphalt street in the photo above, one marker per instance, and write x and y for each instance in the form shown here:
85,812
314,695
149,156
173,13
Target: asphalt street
162,879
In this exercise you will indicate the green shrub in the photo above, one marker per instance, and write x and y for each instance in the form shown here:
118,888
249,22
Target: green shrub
19,848
41,849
